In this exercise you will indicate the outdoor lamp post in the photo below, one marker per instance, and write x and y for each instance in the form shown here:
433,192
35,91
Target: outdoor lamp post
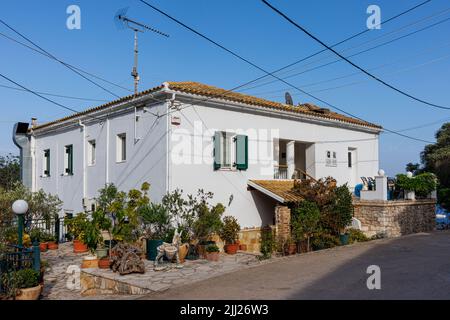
20,207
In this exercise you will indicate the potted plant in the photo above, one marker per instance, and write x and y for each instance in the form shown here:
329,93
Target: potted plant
92,238
341,213
51,240
290,247
76,228
38,235
156,221
230,234
212,252
26,284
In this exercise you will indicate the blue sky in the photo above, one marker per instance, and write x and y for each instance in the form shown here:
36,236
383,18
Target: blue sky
418,64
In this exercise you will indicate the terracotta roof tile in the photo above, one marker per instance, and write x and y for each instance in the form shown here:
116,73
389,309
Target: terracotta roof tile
281,188
212,92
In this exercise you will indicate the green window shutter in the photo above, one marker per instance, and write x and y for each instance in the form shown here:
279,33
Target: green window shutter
47,160
69,151
216,151
241,152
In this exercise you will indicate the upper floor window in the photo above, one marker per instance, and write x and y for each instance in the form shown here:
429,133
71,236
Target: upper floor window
46,163
68,160
230,151
91,152
331,160
349,156
121,147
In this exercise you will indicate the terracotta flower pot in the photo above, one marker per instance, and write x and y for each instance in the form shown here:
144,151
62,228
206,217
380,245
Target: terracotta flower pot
104,263
243,247
79,246
212,256
292,248
183,251
43,246
231,248
89,262
52,245
29,293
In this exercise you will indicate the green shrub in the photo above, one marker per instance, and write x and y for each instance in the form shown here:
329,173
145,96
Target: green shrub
323,240
230,230
268,242
338,215
355,235
304,221
26,278
444,198
422,184
212,248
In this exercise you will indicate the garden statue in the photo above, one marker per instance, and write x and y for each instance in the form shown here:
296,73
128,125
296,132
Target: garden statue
126,259
170,250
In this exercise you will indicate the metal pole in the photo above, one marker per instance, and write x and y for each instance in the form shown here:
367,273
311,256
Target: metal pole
135,73
36,256
20,230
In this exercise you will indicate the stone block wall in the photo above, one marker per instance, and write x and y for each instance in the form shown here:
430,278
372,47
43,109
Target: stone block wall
395,218
282,222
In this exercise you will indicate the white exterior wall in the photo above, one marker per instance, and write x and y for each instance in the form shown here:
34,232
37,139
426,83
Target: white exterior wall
246,205
146,159
161,159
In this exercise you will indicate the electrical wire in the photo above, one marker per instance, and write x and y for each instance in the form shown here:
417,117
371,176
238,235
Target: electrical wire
352,63
270,73
56,59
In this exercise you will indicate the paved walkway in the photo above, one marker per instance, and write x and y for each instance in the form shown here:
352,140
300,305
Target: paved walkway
56,277
157,281
412,267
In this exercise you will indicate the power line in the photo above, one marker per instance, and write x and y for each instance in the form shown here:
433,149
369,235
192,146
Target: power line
267,72
352,63
384,65
307,57
350,56
60,61
70,65
55,95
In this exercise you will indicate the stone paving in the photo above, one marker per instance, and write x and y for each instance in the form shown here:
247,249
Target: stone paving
56,277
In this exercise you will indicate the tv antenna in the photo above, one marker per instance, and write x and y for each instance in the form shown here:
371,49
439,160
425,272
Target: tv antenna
123,21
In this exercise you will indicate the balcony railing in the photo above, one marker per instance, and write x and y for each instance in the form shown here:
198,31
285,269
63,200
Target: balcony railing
280,172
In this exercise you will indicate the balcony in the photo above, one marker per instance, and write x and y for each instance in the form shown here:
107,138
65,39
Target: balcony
280,172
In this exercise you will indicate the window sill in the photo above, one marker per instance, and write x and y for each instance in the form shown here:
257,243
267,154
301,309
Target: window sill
122,161
66,174
45,176
91,165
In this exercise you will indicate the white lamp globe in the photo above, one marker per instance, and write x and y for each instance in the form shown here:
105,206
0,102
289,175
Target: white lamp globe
20,207
409,174
381,173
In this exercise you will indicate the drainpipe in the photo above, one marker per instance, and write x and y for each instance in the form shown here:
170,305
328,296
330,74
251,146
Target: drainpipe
84,158
21,139
107,152
168,143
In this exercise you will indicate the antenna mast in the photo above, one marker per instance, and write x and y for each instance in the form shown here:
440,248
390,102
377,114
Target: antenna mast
136,27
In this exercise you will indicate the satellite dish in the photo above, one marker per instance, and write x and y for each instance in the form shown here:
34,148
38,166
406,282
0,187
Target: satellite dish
288,99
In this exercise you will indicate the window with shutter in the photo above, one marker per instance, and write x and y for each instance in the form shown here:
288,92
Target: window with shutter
217,153
46,163
68,160
241,152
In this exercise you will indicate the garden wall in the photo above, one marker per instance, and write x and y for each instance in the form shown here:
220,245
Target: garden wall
395,218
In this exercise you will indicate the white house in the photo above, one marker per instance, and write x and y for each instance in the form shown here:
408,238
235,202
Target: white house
189,135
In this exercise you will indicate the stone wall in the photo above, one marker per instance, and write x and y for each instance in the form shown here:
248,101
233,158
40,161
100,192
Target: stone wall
282,222
395,218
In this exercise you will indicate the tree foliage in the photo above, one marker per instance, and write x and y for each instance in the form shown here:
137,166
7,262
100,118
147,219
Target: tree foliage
9,171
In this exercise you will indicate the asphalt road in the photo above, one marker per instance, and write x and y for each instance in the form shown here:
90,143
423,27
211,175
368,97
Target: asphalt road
412,267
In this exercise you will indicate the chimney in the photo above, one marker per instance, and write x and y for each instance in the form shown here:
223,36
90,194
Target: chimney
33,122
